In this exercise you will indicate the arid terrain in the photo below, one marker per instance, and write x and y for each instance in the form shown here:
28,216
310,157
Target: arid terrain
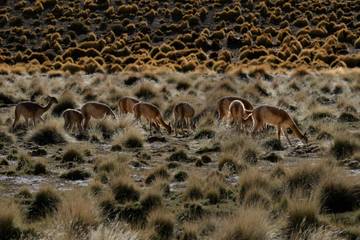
214,183
117,180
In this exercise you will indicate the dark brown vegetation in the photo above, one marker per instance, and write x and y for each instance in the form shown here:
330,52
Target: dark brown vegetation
115,36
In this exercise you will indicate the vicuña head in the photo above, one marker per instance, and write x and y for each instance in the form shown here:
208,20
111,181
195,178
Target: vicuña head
152,114
32,110
277,117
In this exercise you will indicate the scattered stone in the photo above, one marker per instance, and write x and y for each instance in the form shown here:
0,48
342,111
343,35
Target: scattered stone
143,156
135,164
181,176
76,174
199,163
205,134
338,90
38,152
172,165
348,117
273,145
82,137
153,139
324,136
3,162
214,148
271,157
116,148
179,156
205,159
325,101
131,80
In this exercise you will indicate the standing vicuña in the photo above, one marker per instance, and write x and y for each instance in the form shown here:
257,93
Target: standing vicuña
277,117
237,113
32,110
151,113
72,118
95,110
126,104
183,116
224,103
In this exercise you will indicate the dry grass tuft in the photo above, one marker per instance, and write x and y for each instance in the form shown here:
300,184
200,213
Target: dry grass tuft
247,223
131,138
48,133
124,190
343,148
9,226
78,214
73,154
338,194
162,224
46,202
302,215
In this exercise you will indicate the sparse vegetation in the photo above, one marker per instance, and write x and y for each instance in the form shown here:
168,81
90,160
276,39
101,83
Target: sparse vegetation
214,182
49,133
46,201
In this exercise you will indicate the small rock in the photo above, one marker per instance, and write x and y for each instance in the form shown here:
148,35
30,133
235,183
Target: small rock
205,134
116,148
38,152
82,137
135,164
354,164
179,156
76,174
199,163
338,90
325,101
324,136
205,159
156,139
172,165
3,162
347,117
273,145
180,176
271,157
214,148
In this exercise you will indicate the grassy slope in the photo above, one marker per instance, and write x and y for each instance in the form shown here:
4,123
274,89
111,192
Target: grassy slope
218,199
108,36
